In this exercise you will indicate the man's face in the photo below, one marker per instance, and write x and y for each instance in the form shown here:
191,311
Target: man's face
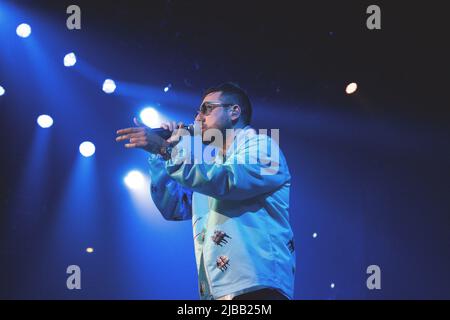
220,117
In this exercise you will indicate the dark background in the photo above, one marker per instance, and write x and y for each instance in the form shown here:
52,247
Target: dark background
370,171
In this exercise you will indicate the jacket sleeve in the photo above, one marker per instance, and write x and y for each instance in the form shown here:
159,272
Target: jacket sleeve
247,173
172,199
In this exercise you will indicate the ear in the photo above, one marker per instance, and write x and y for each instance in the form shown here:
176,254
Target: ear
235,112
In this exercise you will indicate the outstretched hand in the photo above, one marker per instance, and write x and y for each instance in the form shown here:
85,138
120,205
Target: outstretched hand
142,137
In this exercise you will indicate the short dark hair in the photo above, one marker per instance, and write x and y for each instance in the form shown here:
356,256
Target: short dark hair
238,95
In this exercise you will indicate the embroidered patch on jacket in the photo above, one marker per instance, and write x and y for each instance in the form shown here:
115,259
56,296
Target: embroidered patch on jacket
219,238
223,263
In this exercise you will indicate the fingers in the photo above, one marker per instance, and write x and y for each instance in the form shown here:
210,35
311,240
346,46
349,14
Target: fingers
138,136
177,127
172,125
136,143
130,130
131,145
130,136
138,140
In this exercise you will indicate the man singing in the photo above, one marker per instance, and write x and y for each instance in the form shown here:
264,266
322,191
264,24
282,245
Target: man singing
238,203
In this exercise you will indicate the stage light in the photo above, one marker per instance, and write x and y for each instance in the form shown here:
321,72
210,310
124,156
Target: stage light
87,148
167,88
332,286
150,117
89,250
134,180
70,59
314,235
109,86
351,88
45,121
23,30
2,91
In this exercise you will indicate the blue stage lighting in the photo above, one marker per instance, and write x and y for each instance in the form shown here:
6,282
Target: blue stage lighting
109,86
87,149
45,121
150,117
70,59
2,91
23,30
134,180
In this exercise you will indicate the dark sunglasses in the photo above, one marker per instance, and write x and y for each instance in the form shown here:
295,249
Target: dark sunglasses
207,107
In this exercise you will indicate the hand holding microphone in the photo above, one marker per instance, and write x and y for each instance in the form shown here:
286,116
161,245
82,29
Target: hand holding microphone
157,141
167,129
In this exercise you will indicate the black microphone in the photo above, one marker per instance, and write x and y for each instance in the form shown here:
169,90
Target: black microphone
166,134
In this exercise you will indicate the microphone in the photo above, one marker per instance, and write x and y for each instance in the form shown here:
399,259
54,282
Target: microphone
166,134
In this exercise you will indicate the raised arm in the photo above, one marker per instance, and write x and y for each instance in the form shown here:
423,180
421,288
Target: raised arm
172,199
250,171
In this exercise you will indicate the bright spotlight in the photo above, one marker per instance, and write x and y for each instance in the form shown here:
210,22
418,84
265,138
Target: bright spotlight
150,117
351,88
2,91
45,121
332,286
134,180
87,149
109,86
314,235
89,250
167,88
23,30
70,59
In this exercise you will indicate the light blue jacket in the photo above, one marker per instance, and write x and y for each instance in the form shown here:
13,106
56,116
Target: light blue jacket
242,236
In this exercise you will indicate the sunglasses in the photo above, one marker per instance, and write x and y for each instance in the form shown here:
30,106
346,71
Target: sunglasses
207,107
